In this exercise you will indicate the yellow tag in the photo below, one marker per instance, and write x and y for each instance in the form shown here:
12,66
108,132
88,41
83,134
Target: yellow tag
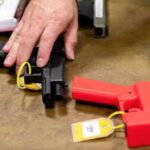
92,129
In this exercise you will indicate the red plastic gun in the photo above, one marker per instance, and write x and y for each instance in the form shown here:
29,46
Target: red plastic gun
134,100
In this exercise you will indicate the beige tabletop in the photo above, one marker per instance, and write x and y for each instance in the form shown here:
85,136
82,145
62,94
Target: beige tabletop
121,58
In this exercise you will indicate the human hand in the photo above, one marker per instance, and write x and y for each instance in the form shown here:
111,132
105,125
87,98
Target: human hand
43,21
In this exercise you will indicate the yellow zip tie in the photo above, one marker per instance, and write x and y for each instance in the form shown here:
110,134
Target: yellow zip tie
20,84
114,114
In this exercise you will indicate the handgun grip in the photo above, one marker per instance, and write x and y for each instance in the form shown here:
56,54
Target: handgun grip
2,55
103,93
46,88
2,58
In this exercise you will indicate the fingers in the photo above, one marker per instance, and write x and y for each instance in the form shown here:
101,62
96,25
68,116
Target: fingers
11,40
14,45
48,38
11,57
25,37
27,44
71,36
17,33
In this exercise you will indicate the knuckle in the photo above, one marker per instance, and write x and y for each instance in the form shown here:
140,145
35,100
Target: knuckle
56,16
19,61
47,36
12,54
73,42
72,39
18,37
39,21
44,38
16,32
24,44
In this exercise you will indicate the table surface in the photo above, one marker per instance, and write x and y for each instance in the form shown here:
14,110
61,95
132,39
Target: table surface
121,58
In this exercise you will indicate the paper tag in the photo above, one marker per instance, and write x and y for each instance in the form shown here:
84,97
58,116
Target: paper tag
92,129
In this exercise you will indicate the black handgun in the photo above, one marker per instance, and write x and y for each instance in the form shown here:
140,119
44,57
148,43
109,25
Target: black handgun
51,76
93,13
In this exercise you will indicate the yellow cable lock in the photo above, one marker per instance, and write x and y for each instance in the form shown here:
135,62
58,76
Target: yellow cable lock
20,79
114,114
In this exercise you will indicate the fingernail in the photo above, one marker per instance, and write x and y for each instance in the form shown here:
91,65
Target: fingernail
40,62
6,47
8,61
71,55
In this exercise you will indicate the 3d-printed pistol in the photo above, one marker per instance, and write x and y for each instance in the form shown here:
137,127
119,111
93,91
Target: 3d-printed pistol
134,100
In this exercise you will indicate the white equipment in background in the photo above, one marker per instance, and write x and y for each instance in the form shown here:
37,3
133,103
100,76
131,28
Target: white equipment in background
10,12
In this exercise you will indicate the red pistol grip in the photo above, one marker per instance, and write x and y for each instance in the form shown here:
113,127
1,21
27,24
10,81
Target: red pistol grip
102,92
134,100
